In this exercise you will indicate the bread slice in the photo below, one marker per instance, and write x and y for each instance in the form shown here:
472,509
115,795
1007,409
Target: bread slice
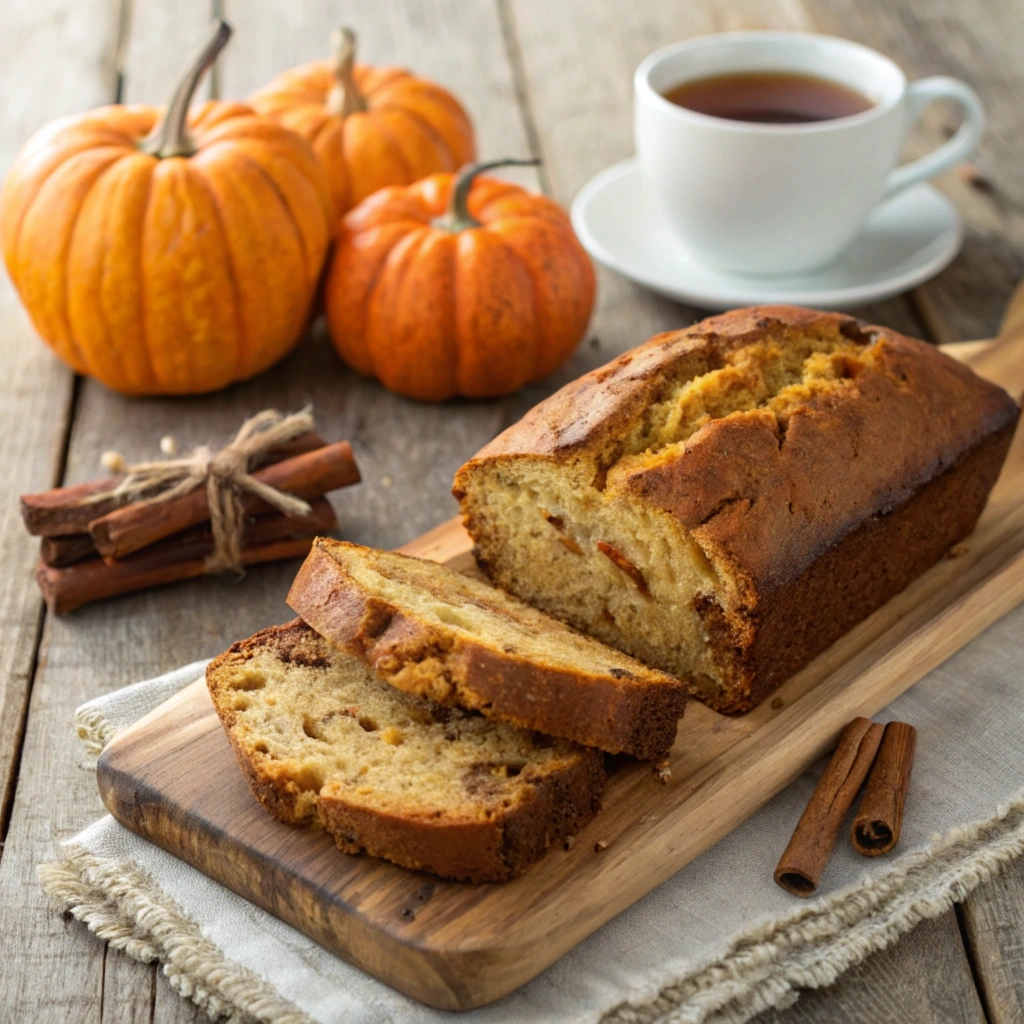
725,501
322,741
428,629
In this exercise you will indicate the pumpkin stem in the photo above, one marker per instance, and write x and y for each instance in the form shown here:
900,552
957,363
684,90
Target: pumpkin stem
458,217
345,97
170,136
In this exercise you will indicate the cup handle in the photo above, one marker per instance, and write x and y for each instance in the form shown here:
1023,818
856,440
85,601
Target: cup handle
921,94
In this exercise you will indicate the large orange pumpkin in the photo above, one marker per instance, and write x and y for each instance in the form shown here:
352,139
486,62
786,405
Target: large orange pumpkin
162,253
458,286
370,127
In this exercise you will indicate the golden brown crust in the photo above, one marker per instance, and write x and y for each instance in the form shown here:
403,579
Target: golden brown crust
495,846
590,414
771,502
780,506
615,712
474,850
871,564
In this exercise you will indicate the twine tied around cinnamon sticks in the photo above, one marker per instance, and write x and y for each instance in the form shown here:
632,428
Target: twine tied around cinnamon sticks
225,474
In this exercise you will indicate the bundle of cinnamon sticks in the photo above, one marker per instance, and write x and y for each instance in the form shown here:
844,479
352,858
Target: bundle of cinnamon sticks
96,549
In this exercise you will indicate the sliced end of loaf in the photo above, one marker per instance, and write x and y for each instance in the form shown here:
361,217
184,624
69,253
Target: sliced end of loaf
616,569
429,630
323,742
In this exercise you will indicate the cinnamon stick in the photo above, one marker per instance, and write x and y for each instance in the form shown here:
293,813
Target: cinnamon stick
58,513
136,526
61,513
256,530
61,551
267,538
876,829
801,865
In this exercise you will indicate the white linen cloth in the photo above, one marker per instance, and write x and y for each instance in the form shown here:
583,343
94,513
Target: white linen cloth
718,941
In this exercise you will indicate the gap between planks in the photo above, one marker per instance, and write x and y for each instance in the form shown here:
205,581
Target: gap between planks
21,722
972,962
522,90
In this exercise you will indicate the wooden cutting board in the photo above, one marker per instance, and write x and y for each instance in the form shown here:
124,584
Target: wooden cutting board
173,779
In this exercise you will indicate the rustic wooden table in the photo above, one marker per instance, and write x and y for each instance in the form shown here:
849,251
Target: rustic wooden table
551,79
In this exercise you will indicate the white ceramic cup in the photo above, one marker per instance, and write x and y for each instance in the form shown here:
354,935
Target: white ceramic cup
781,198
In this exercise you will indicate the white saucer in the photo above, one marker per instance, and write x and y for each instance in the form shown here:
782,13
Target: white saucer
906,240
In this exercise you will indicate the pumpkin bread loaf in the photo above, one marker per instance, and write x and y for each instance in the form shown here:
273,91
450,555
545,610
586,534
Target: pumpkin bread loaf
725,501
427,629
323,742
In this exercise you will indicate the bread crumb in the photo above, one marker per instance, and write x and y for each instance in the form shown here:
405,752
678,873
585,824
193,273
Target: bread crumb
392,736
663,771
601,844
168,445
777,703
569,843
957,550
386,481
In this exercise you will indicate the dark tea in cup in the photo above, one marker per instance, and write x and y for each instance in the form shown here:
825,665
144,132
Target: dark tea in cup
769,97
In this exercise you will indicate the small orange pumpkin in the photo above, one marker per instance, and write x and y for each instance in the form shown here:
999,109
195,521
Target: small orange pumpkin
370,127
458,286
162,253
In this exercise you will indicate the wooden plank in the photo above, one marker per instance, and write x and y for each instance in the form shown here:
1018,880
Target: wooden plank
160,38
158,41
460,46
38,390
55,797
993,917
980,46
171,1008
127,989
891,985
55,59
